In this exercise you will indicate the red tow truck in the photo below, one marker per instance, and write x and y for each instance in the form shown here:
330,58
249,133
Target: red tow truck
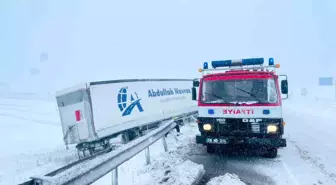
240,104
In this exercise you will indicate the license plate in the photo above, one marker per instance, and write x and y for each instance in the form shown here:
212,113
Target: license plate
216,141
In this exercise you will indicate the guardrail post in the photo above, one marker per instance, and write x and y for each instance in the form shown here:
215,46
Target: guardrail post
125,138
115,176
147,155
164,141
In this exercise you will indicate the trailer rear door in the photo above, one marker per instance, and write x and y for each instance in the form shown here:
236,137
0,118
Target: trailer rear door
75,112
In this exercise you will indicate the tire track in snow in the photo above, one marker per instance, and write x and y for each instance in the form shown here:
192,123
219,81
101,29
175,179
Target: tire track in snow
241,165
304,154
290,173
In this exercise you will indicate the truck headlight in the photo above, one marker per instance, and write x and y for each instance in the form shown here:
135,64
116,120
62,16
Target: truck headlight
207,127
272,128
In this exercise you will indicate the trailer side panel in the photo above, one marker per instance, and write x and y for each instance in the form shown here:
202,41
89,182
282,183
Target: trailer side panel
127,104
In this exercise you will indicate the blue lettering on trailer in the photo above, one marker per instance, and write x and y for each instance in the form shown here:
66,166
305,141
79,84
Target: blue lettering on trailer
167,92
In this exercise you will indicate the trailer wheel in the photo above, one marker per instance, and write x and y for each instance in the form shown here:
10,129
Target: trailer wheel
271,153
106,145
132,134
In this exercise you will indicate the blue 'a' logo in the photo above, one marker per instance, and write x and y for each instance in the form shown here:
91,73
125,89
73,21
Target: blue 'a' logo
127,102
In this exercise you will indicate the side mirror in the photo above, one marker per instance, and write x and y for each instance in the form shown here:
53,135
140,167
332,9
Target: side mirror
284,86
193,92
196,83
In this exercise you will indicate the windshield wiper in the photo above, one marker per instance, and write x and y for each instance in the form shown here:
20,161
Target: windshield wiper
219,97
251,94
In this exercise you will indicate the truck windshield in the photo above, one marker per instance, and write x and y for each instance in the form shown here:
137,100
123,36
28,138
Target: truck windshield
249,91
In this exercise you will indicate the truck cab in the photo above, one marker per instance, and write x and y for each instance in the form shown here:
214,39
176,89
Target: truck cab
240,104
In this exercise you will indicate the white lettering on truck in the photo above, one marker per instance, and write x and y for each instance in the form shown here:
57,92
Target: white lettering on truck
252,120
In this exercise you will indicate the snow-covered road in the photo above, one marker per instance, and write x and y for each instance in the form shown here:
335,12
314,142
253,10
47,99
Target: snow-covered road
308,158
32,145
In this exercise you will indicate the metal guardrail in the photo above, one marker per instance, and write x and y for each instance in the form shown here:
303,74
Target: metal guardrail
92,169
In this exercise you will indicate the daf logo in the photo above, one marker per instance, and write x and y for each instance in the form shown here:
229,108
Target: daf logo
252,120
221,120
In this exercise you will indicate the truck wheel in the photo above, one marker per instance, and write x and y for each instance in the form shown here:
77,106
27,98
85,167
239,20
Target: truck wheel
271,153
133,134
210,149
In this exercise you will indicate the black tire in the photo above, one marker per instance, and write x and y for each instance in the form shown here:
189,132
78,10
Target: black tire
133,134
106,145
210,149
271,153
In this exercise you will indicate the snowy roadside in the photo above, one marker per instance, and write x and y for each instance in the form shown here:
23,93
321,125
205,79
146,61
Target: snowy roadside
174,171
19,168
172,167
31,141
227,179
310,130
34,146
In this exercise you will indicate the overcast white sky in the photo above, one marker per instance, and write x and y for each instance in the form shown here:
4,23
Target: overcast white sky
102,40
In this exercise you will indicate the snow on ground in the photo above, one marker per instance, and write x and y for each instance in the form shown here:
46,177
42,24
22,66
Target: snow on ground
227,179
307,159
31,140
318,108
171,167
174,171
309,155
310,129
32,145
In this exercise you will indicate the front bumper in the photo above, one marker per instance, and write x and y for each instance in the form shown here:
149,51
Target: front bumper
266,142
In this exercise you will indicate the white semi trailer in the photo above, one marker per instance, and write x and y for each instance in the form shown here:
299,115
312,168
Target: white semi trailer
93,113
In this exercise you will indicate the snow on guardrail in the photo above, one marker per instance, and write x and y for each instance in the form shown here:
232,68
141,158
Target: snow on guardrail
90,171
